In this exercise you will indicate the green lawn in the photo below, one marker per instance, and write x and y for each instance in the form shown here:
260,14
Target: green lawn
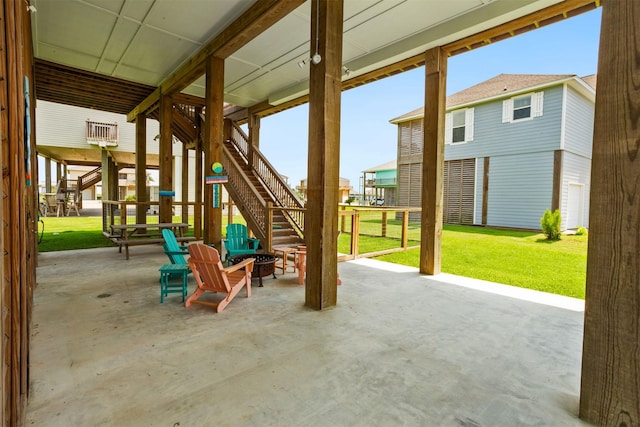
516,258
66,233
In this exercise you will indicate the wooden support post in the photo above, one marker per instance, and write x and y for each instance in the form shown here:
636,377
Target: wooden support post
433,160
485,191
557,180
197,212
166,158
185,184
610,390
59,173
321,218
106,174
214,132
254,135
47,175
141,168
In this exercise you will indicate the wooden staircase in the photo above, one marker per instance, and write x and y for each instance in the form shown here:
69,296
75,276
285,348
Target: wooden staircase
273,211
283,232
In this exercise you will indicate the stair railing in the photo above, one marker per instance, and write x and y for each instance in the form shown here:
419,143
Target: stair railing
245,195
283,194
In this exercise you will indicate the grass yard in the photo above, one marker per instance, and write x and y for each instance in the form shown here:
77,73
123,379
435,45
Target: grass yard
517,258
66,233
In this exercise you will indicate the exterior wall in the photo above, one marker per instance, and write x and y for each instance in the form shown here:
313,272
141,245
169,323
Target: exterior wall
579,116
575,170
61,125
493,138
520,189
521,158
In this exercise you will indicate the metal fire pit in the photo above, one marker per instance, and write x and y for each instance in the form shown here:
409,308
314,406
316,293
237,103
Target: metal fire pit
263,266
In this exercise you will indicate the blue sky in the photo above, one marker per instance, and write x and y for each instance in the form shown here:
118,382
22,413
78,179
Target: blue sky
367,137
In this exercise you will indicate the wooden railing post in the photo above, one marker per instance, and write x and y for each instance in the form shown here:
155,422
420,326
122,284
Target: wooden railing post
342,219
269,230
405,229
355,233
384,224
123,213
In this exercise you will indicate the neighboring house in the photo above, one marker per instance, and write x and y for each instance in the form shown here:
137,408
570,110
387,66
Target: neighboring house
344,189
381,183
81,137
515,145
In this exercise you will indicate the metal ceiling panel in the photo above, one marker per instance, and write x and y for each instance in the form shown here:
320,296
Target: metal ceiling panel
146,41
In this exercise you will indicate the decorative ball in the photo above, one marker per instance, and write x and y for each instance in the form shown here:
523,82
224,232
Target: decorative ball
216,167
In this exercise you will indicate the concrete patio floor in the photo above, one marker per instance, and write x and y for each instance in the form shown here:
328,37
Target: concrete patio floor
399,349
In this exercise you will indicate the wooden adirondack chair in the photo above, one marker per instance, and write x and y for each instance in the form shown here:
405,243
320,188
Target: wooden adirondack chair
238,241
211,276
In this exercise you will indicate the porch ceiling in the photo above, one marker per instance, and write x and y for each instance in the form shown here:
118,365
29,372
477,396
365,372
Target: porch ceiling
144,42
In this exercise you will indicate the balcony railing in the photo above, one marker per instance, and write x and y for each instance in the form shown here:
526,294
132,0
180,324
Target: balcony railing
102,134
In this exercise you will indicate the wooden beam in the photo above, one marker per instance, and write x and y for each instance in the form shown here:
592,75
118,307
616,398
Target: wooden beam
166,158
321,219
260,17
141,168
433,160
610,390
532,21
527,23
556,190
185,183
485,190
198,182
213,137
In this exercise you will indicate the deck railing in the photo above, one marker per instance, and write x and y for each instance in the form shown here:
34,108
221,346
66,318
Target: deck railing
102,134
284,196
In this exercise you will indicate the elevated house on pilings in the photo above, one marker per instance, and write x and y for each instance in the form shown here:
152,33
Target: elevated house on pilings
203,68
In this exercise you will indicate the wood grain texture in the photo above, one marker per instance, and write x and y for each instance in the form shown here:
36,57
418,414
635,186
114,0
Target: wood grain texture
166,158
141,167
212,144
433,161
321,219
610,390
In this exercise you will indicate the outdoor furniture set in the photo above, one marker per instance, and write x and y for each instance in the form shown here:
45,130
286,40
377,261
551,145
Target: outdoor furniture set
204,261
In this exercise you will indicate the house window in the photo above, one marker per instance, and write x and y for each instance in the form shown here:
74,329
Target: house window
522,107
457,118
459,126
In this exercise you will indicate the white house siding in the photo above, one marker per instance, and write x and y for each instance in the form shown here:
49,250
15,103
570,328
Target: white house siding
575,170
579,124
60,125
520,188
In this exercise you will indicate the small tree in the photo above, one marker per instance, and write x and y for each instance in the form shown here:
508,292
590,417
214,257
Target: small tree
550,223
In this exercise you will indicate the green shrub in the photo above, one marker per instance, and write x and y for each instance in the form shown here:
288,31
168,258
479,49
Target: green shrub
550,223
581,231
130,198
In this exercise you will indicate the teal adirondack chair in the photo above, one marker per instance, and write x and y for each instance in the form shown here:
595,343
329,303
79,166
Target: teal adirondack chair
238,241
172,248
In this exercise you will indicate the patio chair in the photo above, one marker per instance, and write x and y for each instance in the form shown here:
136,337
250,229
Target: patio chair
211,276
173,249
238,241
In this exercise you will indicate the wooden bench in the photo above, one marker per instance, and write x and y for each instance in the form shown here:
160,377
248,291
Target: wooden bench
144,234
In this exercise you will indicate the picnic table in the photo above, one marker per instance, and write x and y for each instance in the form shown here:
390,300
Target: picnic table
145,234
